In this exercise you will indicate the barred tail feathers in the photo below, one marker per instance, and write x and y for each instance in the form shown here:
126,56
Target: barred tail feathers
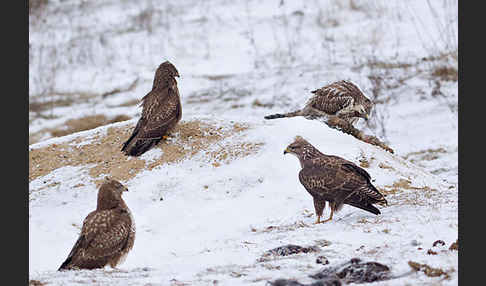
283,115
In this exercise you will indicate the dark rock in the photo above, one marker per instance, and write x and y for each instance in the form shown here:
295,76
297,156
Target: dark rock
286,250
285,282
322,260
355,271
364,272
290,282
327,282
290,249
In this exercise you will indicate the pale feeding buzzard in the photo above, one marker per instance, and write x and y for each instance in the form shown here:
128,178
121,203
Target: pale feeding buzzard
333,179
162,110
342,99
108,233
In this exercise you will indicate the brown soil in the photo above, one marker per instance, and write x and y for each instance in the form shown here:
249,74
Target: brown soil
187,139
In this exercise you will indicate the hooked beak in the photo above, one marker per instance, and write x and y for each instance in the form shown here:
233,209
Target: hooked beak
126,189
366,117
286,151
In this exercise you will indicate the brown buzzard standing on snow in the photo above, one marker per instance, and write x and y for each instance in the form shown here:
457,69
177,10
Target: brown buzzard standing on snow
333,179
162,110
108,232
342,99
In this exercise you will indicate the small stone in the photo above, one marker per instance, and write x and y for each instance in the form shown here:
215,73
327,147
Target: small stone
322,260
415,243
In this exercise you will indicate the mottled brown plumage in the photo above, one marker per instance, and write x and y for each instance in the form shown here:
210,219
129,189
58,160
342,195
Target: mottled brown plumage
108,233
334,180
161,111
342,99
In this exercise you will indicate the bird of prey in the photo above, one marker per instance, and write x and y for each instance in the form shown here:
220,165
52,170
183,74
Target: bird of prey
341,98
334,180
108,233
161,111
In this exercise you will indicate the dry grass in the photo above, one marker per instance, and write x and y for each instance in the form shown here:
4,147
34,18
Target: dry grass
406,194
130,102
36,283
365,162
226,154
454,245
76,125
282,228
445,73
50,101
429,271
425,155
85,123
385,166
402,184
36,5
36,106
188,139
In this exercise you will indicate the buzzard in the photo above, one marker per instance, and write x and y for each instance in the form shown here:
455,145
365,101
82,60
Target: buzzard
341,98
334,180
162,110
108,233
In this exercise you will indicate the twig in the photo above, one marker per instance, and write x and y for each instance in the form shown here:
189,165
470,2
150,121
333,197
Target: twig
344,126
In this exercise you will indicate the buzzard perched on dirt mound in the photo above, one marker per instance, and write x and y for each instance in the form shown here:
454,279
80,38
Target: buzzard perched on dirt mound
342,99
108,233
333,179
162,110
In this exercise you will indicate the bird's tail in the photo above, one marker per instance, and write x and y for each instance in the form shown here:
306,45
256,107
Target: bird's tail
64,265
289,114
378,200
139,146
368,207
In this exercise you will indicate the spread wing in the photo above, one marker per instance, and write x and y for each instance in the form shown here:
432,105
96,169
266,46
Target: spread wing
104,234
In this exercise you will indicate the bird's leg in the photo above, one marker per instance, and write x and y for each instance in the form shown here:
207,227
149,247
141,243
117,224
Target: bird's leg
168,135
330,218
319,206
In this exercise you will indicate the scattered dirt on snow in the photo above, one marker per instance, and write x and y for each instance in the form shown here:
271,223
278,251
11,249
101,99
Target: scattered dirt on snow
430,271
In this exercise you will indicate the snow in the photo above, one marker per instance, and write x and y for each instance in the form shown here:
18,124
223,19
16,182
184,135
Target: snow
197,223
193,228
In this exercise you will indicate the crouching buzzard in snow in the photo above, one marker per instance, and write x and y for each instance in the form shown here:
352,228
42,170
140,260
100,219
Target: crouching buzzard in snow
333,179
108,233
342,99
161,111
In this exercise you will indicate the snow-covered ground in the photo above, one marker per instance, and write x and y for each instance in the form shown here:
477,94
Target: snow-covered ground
239,61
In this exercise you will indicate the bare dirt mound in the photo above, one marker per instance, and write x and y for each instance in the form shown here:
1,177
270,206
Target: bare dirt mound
102,151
